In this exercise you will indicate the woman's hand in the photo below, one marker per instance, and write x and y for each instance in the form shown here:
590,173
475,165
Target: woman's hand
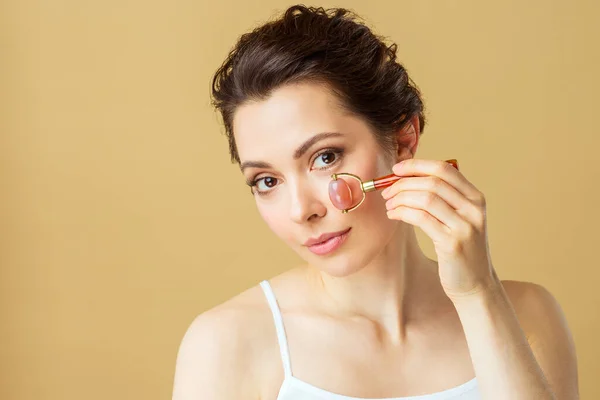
437,198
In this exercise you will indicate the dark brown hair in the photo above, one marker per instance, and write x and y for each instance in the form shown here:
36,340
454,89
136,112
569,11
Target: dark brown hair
308,44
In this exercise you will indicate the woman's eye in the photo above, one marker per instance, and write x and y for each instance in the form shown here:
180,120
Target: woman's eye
265,184
325,159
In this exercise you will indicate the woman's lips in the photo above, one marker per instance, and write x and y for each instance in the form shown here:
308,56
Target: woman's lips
329,245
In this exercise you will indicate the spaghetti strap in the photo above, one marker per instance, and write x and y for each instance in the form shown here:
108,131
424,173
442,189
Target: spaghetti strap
281,338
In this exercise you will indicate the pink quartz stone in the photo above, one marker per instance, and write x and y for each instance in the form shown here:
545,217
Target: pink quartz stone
340,194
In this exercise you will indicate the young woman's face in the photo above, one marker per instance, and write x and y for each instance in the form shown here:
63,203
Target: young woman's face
289,145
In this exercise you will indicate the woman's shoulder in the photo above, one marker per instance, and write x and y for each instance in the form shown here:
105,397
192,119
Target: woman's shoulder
223,345
528,297
233,322
243,317
538,311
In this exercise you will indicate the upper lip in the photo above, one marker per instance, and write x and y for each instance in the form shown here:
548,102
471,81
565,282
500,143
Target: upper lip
324,237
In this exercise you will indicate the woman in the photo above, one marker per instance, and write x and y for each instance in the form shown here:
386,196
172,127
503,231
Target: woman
369,315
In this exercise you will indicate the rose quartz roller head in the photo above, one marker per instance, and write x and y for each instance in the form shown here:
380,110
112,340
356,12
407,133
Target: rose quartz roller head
341,194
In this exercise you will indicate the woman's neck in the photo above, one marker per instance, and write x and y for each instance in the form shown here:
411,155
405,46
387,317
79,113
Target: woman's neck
385,291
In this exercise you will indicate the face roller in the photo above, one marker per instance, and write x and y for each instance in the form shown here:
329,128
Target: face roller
340,192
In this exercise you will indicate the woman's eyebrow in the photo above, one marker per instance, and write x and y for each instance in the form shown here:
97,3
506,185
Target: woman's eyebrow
254,164
304,147
300,151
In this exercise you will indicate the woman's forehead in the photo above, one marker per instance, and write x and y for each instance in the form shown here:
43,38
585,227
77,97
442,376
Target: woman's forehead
287,107
288,117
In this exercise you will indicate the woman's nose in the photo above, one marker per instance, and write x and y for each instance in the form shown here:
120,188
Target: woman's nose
306,204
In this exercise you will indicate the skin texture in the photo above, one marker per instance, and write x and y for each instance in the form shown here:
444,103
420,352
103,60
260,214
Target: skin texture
376,318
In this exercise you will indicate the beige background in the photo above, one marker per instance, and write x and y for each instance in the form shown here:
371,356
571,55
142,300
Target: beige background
122,218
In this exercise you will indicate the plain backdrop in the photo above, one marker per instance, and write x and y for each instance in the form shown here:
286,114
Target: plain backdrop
122,217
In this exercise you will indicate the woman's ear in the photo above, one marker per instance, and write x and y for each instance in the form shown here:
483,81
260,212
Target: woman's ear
407,139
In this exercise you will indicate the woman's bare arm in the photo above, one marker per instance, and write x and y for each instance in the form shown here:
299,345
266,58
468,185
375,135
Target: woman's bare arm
531,360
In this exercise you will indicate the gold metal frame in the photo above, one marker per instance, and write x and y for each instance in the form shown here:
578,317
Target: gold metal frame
362,189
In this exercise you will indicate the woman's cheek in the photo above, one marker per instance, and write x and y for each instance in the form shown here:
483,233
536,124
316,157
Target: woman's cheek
276,222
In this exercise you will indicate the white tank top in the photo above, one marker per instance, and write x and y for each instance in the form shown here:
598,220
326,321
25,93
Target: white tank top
293,388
